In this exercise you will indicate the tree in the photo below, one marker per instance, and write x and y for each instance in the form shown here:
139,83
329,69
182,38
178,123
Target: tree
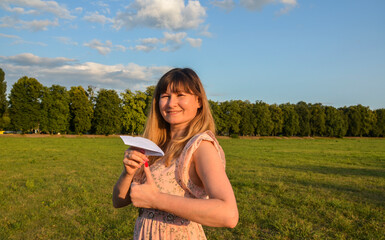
335,124
218,115
55,110
290,119
149,93
379,127
231,110
354,120
134,106
91,94
276,118
25,99
317,119
3,94
81,110
360,120
368,120
247,117
4,119
108,112
304,116
263,124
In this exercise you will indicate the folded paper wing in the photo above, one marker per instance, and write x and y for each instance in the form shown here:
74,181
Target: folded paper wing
150,148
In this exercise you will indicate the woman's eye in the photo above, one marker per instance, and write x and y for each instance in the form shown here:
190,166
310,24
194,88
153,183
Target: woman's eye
181,94
164,96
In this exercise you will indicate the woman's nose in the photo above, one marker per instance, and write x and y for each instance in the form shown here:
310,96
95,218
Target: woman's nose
172,101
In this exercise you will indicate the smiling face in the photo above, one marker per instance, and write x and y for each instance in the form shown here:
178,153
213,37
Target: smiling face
178,108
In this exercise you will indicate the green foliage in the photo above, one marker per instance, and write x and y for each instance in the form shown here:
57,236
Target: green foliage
231,115
134,107
55,110
335,124
61,188
108,112
276,118
290,119
219,117
91,94
379,126
25,99
304,116
262,119
3,94
149,93
4,119
81,110
361,120
247,124
317,119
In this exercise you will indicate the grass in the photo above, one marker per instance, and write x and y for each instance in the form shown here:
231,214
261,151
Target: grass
61,188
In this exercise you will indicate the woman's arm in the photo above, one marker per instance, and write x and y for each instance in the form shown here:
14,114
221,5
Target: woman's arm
132,161
220,210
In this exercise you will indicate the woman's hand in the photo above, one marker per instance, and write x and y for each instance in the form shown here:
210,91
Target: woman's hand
133,159
144,195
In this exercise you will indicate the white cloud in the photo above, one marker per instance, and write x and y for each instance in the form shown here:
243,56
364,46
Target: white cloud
204,31
161,14
289,5
169,42
194,42
34,25
104,48
66,41
149,41
68,72
19,40
144,48
120,48
255,4
224,4
78,10
18,10
36,7
28,59
97,18
173,38
103,6
9,36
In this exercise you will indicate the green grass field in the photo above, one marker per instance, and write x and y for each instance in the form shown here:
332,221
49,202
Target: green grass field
61,188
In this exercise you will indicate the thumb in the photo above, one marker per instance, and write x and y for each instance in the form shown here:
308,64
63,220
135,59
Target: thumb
148,174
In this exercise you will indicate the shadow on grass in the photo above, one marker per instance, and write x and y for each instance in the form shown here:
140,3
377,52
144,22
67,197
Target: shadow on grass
369,192
342,171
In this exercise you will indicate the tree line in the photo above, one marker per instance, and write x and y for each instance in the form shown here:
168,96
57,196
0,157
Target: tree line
33,107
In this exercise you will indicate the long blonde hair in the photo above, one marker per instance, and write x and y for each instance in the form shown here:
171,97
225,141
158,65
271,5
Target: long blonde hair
158,130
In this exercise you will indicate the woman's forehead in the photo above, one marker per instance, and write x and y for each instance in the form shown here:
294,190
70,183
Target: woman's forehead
177,87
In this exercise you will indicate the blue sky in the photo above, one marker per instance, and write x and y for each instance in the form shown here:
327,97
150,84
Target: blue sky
277,51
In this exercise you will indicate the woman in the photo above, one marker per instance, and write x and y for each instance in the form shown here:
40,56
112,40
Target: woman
188,186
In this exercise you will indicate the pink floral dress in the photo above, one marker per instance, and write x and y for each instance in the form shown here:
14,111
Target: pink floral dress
155,224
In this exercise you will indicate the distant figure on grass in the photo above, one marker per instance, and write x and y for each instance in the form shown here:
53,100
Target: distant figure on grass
188,186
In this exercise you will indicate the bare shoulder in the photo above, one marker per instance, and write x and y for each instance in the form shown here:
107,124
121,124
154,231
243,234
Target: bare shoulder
206,147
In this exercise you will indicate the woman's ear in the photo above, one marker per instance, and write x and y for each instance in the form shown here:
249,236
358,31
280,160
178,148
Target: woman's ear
199,102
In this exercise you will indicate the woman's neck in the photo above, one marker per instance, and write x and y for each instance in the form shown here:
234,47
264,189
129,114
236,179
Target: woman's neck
176,132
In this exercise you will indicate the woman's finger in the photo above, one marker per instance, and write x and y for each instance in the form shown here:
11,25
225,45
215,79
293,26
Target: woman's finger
149,178
131,163
135,155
